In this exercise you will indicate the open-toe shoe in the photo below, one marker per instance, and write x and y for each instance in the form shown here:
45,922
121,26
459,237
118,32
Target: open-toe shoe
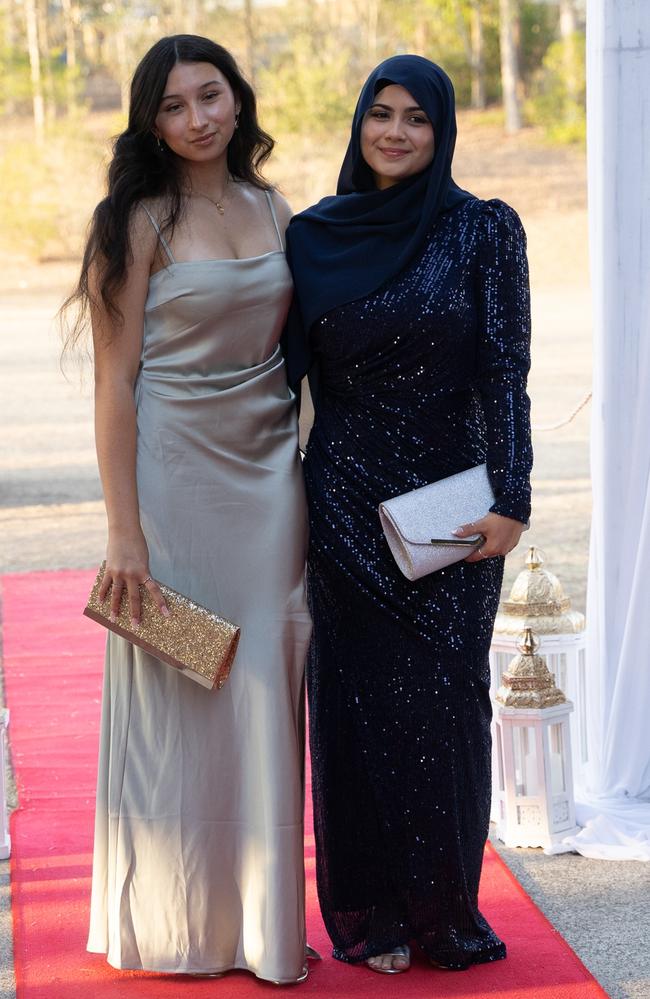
400,953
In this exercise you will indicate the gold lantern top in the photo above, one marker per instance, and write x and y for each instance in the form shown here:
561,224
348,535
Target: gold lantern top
537,601
527,683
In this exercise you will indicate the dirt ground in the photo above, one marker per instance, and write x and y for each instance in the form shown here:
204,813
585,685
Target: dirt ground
50,501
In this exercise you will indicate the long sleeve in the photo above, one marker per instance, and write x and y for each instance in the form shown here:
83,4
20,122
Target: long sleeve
504,357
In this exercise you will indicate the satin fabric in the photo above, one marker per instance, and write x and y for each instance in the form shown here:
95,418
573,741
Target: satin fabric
198,861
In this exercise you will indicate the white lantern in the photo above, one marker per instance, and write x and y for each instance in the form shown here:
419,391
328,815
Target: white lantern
5,840
534,777
537,601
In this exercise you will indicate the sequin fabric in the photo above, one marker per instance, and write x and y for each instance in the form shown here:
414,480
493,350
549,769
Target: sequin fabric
423,378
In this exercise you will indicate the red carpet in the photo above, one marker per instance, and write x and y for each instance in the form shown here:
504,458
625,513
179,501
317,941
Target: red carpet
53,662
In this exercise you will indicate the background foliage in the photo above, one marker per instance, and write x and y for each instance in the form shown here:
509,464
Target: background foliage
65,67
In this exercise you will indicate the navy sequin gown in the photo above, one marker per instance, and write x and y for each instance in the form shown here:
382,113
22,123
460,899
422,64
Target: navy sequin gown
423,378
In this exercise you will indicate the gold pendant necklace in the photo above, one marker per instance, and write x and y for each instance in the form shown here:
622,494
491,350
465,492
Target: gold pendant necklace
217,204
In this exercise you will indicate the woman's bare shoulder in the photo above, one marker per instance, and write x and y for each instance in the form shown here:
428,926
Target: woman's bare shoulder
260,195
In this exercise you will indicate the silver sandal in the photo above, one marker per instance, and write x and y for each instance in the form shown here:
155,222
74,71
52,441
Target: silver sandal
402,951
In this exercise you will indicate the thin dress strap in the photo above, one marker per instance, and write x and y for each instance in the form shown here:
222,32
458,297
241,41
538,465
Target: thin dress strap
269,198
163,241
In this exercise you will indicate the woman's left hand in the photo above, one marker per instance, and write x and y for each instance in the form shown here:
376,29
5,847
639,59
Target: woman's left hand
501,535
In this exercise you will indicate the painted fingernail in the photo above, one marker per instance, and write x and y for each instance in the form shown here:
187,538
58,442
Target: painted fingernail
113,617
135,623
165,611
458,530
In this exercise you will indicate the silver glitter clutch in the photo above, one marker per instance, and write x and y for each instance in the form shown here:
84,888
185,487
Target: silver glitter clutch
193,639
418,525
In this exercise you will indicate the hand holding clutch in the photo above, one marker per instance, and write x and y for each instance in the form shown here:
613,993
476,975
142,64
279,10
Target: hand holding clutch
127,568
501,534
191,639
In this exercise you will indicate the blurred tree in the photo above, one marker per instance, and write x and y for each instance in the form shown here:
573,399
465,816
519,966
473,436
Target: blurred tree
305,83
568,18
538,28
510,77
477,59
33,48
469,16
45,50
568,29
370,10
10,44
122,59
558,107
69,13
249,27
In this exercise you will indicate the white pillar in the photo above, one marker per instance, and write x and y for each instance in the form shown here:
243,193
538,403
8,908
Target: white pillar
618,603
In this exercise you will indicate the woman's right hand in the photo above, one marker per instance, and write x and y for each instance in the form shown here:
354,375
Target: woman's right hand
127,567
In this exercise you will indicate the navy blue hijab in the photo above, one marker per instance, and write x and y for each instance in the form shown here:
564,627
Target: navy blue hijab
348,245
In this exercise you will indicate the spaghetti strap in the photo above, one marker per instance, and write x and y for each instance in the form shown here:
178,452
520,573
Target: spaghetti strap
269,198
163,241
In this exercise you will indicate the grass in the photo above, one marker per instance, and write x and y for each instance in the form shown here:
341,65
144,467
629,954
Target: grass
49,189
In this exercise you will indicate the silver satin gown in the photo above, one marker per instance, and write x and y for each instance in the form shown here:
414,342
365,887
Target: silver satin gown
198,857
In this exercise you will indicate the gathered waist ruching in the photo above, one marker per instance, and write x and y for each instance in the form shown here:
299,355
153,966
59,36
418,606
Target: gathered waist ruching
190,382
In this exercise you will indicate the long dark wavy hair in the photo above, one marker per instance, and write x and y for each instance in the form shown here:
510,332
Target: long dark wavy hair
142,168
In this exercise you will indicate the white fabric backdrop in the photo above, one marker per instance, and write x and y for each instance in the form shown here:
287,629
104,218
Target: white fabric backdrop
615,805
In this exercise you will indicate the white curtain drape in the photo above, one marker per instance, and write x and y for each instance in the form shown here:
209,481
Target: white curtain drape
615,804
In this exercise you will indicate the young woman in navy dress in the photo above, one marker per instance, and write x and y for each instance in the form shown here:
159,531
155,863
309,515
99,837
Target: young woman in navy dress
413,322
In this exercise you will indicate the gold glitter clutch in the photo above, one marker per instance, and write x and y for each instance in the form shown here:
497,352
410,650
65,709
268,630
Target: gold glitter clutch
193,639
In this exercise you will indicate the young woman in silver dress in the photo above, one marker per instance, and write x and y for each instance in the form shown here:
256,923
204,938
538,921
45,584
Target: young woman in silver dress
198,859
